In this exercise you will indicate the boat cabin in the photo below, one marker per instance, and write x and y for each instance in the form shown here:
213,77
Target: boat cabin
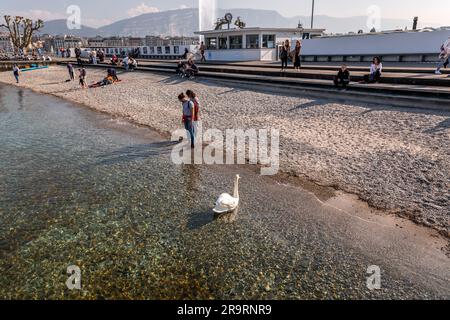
251,44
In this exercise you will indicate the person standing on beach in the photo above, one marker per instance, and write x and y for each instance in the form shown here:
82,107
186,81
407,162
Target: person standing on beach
444,56
188,116
202,52
297,57
16,72
71,72
193,97
82,76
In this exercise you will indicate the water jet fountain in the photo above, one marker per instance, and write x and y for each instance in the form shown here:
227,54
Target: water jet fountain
207,12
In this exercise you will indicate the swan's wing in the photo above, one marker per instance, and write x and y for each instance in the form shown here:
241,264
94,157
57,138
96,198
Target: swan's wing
226,201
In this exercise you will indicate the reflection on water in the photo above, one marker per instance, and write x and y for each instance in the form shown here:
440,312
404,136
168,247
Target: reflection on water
77,188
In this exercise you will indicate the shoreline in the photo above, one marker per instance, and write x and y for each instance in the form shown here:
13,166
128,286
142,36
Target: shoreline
287,169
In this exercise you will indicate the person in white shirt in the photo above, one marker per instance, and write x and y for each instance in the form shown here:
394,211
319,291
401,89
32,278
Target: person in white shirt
376,69
444,56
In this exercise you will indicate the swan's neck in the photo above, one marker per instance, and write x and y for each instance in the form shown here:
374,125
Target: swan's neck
236,188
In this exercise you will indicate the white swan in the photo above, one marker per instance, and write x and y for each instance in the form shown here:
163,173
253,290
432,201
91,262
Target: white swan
227,203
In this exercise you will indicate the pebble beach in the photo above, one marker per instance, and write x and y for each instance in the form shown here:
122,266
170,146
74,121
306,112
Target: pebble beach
396,159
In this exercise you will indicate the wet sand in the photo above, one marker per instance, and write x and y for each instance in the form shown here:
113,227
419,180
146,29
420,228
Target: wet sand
396,159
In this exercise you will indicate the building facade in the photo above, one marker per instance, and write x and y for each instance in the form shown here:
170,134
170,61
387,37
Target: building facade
5,43
64,42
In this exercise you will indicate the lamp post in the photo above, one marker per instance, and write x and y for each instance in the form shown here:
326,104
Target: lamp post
312,15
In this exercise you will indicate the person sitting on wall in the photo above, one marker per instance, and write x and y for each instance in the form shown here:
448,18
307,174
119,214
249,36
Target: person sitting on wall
343,77
375,71
180,68
133,64
114,60
443,56
191,69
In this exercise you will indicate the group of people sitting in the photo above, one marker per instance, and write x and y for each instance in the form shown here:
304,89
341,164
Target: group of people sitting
96,56
187,69
129,63
342,79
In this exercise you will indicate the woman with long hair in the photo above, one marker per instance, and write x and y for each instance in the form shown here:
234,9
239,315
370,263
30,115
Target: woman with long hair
375,71
297,55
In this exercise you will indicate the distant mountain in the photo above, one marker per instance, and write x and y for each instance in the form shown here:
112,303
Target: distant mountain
184,22
169,23
59,27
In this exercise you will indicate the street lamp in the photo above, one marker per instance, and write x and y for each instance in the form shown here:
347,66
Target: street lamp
312,15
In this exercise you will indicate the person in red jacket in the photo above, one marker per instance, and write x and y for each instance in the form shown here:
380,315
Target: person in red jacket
196,101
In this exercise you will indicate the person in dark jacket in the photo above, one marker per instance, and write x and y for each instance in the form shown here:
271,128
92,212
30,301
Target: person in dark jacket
284,55
343,77
71,72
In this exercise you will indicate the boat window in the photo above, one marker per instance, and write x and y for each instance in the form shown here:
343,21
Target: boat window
268,41
252,41
223,43
211,43
235,42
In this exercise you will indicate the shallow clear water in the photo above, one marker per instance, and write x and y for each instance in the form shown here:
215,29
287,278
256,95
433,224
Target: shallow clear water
80,188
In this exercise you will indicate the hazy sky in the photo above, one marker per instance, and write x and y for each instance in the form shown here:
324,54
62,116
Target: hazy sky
98,12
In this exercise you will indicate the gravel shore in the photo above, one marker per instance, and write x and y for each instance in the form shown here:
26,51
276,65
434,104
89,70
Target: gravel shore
396,159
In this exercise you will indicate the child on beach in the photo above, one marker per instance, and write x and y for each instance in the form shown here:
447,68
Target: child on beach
82,76
188,116
16,72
